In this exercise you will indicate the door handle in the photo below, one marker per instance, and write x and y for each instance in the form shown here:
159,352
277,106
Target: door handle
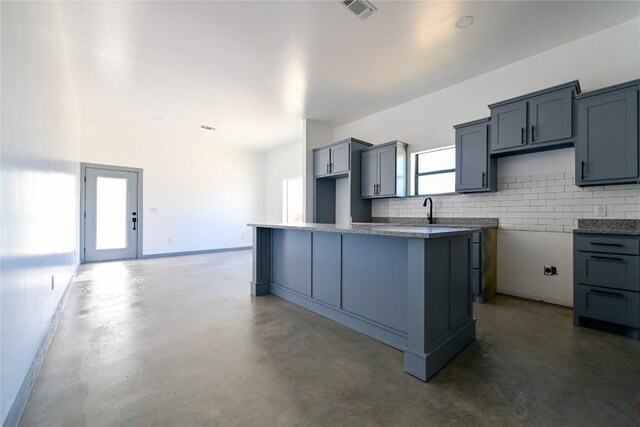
532,133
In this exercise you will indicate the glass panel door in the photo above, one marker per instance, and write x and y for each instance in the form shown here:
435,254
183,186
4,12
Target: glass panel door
111,214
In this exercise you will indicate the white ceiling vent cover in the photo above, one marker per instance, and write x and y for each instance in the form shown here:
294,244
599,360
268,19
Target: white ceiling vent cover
360,8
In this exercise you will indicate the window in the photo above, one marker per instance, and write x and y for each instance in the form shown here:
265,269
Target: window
292,201
435,171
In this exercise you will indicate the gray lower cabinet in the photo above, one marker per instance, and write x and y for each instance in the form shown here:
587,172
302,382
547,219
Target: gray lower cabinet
606,272
538,121
411,293
607,143
384,171
326,268
475,169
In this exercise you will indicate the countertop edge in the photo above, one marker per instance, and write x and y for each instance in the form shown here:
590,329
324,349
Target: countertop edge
390,231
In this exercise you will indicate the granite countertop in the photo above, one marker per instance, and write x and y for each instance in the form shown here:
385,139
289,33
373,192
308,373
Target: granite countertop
378,229
629,227
481,223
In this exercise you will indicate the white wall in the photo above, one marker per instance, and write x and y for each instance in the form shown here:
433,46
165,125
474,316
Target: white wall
605,58
280,163
197,195
40,185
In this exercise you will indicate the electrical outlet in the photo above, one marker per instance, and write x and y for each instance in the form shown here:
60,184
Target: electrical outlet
550,270
600,211
53,282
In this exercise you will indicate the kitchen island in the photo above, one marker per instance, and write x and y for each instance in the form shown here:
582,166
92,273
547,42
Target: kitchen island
409,287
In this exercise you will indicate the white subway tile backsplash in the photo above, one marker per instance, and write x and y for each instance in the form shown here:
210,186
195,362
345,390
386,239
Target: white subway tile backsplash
546,202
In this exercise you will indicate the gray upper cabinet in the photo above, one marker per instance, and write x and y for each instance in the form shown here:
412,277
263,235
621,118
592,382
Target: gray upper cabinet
336,183
384,171
332,160
475,169
607,141
369,173
321,162
538,121
340,158
387,172
551,117
510,126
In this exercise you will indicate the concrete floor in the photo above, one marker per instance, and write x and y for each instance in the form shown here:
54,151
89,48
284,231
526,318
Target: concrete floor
181,342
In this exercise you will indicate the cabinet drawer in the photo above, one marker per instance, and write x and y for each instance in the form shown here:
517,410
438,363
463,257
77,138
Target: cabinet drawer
614,271
607,244
613,306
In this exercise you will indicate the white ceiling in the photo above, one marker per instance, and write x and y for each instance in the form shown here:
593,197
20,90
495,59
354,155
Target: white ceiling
253,70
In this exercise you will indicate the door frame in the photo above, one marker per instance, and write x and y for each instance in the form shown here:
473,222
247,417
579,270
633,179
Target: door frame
83,189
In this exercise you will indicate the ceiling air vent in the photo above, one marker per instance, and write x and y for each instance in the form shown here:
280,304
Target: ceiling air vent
360,8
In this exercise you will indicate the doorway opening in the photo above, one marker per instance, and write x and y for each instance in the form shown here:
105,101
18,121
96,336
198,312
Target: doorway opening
110,213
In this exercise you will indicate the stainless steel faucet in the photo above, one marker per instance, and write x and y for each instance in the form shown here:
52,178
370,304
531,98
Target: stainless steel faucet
430,214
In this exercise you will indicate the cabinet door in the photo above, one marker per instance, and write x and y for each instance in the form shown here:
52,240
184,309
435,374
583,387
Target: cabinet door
321,160
509,126
607,143
551,117
471,158
326,268
369,178
340,158
387,171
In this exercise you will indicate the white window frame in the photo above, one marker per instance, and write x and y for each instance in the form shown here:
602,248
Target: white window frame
416,174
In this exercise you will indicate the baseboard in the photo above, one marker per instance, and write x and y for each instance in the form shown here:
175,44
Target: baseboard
550,301
20,402
200,252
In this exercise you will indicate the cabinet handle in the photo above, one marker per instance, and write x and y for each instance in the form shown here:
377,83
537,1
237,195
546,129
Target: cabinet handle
327,167
598,291
523,137
483,178
331,167
582,169
532,133
606,244
610,258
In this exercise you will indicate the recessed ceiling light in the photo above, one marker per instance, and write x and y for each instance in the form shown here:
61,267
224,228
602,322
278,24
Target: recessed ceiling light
207,127
465,21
